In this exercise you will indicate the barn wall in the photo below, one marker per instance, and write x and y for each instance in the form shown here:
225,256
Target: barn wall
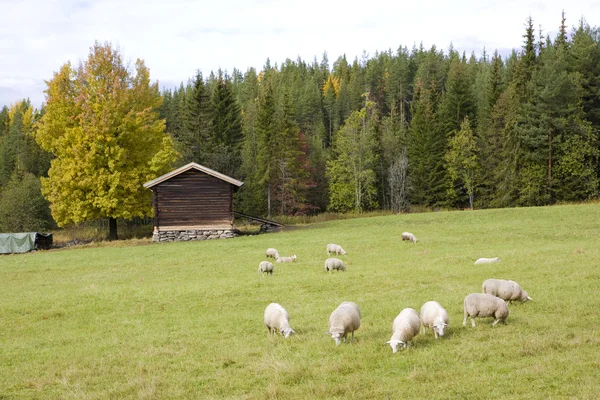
193,200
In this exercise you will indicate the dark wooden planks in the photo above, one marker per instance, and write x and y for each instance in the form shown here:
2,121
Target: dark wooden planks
193,198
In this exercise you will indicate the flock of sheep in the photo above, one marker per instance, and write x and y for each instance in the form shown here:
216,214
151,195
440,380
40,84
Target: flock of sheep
345,319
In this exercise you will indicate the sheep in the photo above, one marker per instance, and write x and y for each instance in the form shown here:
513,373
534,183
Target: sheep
334,248
405,327
434,316
286,259
334,263
506,290
265,266
278,319
343,320
273,253
485,305
409,236
487,260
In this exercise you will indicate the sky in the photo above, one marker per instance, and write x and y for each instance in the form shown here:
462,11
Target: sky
175,38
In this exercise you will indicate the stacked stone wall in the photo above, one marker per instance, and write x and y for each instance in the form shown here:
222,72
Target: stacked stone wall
191,234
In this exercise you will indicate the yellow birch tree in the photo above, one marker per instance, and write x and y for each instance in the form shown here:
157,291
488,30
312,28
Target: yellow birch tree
101,124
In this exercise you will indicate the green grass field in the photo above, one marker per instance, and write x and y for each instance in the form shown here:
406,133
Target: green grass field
184,320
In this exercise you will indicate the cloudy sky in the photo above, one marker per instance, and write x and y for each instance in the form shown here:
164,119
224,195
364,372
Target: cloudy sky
177,37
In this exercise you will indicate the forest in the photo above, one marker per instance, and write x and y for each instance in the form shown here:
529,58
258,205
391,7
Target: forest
403,130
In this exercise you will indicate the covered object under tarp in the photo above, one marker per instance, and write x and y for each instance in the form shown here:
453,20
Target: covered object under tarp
24,242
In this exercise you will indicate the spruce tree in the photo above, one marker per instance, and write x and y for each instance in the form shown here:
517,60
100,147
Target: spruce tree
226,125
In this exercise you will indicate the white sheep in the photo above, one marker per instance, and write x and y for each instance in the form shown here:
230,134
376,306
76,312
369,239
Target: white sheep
405,327
265,266
344,320
506,290
485,305
286,259
277,319
435,317
273,253
409,236
484,260
337,249
334,264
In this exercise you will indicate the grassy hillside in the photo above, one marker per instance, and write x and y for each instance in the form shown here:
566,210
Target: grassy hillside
184,320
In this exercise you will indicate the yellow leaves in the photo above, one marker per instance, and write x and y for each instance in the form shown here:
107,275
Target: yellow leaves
102,126
332,83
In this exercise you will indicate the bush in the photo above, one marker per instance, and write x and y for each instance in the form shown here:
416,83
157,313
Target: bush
22,206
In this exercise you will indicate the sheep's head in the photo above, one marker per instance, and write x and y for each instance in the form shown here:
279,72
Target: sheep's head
394,345
524,296
439,328
286,332
337,336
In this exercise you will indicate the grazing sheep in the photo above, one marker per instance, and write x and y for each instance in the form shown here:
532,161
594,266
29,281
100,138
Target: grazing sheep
409,236
506,290
334,263
334,248
343,320
278,319
405,327
286,259
485,305
487,260
265,266
434,316
273,253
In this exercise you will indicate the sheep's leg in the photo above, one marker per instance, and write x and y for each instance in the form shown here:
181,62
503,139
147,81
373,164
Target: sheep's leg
473,322
495,322
435,333
352,336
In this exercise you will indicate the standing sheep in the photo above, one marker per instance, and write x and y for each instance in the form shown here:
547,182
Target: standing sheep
409,236
506,290
485,305
334,264
405,327
435,317
265,266
273,253
484,260
278,319
343,320
286,259
337,249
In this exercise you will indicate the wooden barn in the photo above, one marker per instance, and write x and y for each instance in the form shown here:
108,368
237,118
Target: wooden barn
193,203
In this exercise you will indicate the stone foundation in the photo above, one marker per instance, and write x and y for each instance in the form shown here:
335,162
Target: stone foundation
178,236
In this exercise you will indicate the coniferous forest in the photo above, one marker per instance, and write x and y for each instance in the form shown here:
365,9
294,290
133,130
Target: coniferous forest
419,127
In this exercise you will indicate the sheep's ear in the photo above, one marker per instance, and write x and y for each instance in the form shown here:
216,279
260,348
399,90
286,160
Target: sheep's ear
292,331
328,333
529,298
388,342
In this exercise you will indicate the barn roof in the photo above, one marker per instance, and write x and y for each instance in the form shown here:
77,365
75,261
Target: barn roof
197,167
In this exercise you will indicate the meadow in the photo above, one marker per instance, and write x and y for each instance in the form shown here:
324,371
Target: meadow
185,320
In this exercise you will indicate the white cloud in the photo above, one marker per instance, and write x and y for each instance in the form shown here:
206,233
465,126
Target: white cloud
177,37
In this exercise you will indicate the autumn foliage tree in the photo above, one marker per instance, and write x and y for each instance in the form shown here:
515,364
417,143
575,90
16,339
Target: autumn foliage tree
101,124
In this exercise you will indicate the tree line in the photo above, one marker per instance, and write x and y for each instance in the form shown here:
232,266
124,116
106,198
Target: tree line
405,128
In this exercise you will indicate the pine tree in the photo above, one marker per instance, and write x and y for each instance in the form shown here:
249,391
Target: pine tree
196,124
266,165
226,124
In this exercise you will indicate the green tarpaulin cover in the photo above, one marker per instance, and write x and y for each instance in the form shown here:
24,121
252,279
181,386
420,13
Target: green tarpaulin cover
23,242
